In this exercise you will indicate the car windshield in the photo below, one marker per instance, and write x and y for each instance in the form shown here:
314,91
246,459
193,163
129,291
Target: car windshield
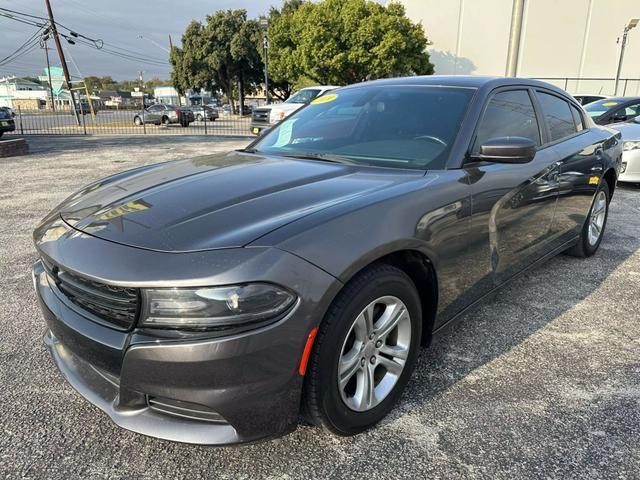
599,108
303,96
392,126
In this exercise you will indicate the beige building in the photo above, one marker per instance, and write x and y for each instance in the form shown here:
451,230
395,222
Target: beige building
561,40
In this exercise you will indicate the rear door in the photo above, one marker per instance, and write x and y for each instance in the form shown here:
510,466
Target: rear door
513,204
579,154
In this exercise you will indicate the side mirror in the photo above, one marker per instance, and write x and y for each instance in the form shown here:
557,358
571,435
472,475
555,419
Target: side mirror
620,116
508,150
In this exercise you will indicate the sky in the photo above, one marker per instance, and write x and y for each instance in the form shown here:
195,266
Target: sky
119,23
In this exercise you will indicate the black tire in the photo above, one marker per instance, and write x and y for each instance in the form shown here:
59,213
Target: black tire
137,121
165,121
322,401
199,117
584,247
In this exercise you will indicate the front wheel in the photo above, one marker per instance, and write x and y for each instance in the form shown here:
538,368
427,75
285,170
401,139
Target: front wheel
365,351
593,229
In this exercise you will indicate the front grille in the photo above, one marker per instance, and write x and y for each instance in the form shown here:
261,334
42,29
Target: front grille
261,115
116,306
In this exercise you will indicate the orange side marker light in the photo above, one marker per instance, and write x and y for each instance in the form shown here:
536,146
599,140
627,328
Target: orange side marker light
302,369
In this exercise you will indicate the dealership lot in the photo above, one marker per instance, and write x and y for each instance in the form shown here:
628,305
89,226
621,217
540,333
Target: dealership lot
541,382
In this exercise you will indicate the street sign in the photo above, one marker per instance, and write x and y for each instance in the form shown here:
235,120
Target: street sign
57,78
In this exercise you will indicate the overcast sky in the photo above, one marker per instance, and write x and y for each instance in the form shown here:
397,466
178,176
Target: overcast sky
118,23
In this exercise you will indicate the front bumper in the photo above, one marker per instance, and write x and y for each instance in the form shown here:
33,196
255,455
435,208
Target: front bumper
223,390
631,166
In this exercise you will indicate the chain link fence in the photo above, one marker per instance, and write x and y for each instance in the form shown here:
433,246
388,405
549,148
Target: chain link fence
122,122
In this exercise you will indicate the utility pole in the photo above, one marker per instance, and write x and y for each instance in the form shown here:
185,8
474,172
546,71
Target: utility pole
264,23
46,53
632,24
513,52
65,69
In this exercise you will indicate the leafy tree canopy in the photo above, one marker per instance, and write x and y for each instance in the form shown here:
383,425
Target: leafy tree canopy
218,53
347,41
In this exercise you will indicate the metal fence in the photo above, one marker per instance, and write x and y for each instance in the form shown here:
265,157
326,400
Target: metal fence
121,122
596,85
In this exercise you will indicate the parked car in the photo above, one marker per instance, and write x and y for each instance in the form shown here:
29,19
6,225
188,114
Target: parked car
9,111
614,110
586,98
226,109
207,300
246,109
269,115
202,112
165,115
7,123
630,168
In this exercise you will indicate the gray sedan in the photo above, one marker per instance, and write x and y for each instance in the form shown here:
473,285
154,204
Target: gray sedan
161,114
212,300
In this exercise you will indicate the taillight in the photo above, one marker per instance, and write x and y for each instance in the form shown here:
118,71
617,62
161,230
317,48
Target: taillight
177,112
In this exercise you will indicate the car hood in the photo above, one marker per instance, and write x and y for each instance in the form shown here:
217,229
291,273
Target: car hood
630,131
217,201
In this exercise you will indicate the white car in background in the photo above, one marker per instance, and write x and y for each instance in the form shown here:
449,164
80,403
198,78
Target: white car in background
586,98
265,117
630,169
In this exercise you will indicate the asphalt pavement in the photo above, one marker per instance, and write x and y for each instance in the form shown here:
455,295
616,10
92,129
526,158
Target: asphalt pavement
543,381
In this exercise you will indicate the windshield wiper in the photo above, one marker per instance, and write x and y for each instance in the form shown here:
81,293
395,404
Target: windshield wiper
321,156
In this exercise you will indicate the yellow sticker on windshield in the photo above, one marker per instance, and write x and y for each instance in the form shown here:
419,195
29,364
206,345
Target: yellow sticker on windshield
594,180
330,97
609,104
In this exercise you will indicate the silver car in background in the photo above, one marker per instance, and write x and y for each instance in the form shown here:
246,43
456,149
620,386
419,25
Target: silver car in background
630,169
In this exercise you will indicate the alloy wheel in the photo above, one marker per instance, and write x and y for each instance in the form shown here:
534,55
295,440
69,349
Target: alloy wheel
374,353
597,218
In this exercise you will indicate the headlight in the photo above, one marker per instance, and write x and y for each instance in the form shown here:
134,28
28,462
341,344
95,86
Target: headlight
630,146
276,116
204,308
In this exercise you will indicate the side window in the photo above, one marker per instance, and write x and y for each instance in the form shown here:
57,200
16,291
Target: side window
577,118
631,111
558,115
155,108
508,114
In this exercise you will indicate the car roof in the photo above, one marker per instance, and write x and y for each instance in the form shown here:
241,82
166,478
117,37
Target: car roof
623,99
468,81
321,87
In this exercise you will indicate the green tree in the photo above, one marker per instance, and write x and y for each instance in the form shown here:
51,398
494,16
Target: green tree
217,54
348,41
284,71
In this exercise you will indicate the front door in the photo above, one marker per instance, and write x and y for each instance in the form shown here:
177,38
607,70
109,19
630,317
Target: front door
512,204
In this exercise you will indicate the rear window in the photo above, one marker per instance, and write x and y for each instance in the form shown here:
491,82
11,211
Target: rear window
558,114
303,96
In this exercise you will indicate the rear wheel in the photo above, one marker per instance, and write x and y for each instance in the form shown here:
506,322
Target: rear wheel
165,120
137,121
593,229
365,351
199,117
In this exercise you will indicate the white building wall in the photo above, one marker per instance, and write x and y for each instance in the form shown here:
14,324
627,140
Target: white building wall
560,38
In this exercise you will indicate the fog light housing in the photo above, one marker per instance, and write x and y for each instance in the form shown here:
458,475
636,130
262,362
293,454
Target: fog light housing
213,307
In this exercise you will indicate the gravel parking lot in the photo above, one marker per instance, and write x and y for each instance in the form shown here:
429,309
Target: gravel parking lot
543,381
